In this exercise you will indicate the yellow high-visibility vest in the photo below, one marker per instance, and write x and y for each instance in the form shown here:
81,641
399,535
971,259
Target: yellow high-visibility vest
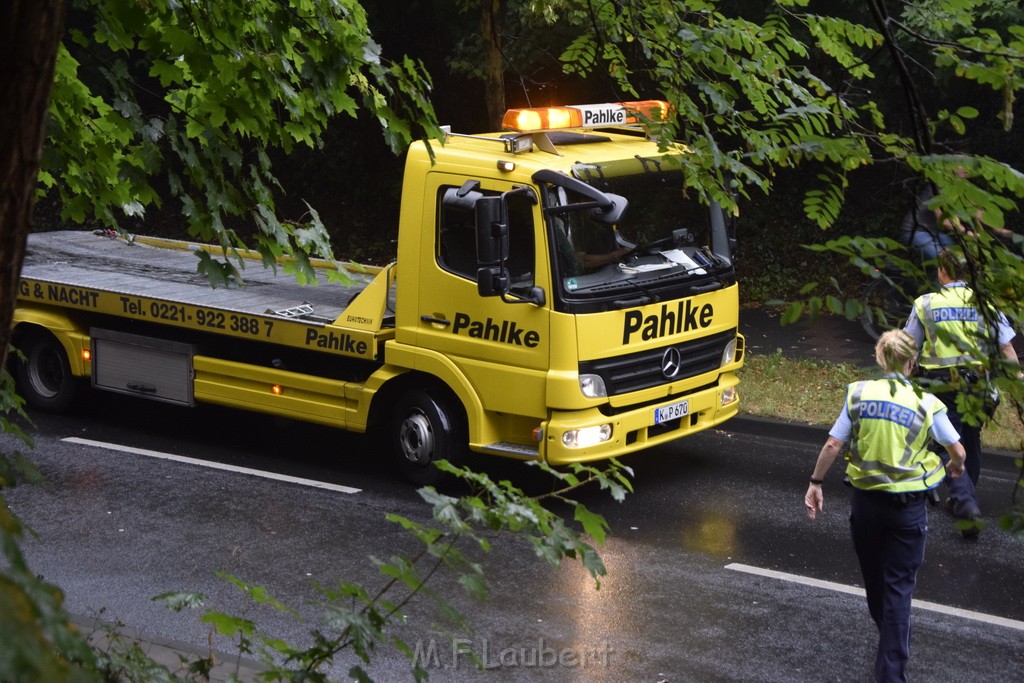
888,448
953,328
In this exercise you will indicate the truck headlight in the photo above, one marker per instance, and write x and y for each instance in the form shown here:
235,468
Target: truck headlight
729,354
592,386
728,396
587,436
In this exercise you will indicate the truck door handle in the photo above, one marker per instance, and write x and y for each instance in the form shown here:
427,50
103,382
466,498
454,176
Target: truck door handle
141,388
435,321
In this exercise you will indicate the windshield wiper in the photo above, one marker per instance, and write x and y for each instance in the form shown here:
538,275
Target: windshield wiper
652,298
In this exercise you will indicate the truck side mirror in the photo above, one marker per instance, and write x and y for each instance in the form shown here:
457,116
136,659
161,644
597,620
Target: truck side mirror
722,243
464,198
491,231
491,246
492,251
612,211
491,281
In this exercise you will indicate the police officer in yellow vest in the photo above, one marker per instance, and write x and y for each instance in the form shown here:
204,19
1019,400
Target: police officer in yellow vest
955,338
888,425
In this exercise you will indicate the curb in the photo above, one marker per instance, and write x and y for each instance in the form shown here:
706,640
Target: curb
174,655
816,434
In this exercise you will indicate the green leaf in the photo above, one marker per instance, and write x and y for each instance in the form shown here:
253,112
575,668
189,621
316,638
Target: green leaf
176,601
593,524
227,625
474,585
792,313
853,309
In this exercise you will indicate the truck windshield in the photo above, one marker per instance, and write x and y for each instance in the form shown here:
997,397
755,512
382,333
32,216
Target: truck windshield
659,248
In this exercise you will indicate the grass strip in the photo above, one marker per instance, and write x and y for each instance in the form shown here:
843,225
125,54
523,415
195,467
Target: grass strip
811,392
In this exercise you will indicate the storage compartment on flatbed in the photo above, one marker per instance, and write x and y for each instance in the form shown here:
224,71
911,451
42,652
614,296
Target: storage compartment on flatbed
142,366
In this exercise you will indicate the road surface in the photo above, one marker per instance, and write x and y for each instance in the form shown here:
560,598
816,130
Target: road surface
714,570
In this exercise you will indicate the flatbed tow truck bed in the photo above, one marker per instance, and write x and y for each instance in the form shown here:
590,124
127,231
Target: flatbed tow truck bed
156,280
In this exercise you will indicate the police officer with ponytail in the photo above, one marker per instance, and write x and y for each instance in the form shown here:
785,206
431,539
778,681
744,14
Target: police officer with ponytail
888,425
956,336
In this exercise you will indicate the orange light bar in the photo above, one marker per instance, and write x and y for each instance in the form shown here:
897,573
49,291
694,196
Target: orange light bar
585,115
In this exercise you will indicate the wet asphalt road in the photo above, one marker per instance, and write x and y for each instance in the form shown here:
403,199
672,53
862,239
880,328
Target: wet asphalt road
679,603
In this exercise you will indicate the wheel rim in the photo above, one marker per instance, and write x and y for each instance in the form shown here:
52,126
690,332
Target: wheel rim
886,307
416,437
46,372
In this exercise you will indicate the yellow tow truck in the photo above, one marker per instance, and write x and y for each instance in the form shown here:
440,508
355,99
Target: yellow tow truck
555,297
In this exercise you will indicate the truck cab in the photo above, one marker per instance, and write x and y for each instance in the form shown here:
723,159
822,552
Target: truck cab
574,300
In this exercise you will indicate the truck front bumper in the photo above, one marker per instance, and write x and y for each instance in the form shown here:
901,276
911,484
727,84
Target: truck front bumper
635,429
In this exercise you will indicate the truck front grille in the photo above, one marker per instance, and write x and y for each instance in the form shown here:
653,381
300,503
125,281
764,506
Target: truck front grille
636,371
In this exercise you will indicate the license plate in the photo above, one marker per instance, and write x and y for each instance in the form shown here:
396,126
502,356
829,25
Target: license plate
671,412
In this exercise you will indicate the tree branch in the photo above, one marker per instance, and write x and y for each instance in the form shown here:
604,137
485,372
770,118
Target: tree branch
919,115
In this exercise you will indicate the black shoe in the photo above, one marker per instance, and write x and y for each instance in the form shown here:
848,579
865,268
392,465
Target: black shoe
970,527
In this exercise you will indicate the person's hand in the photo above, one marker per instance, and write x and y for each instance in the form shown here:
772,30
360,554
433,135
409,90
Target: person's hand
814,501
619,253
598,260
955,467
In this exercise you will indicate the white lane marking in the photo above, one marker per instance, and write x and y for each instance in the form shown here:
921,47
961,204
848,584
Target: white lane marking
854,590
213,465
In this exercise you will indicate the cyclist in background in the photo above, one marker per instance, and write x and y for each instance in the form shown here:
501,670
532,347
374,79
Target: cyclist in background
922,230
929,233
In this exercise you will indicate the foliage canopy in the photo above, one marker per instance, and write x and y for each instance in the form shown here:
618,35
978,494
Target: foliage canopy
187,100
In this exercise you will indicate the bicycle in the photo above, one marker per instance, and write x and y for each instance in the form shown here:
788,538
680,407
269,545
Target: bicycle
887,301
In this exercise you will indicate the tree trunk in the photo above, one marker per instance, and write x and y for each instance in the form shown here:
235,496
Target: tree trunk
494,71
30,31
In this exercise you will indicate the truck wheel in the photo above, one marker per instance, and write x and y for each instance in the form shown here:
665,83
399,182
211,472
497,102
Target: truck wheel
44,377
425,429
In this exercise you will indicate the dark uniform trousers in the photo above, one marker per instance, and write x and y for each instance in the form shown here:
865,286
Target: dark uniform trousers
889,532
961,489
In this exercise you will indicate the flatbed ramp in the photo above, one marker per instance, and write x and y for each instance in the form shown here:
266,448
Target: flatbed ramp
96,272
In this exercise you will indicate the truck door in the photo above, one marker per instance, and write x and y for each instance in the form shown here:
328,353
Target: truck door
503,348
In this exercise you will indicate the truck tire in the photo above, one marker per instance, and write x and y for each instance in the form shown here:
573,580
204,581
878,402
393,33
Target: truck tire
426,429
44,377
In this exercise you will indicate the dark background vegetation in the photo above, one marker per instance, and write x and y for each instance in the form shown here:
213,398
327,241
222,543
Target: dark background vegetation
354,182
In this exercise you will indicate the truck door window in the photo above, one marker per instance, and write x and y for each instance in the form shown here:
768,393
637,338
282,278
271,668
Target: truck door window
457,240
